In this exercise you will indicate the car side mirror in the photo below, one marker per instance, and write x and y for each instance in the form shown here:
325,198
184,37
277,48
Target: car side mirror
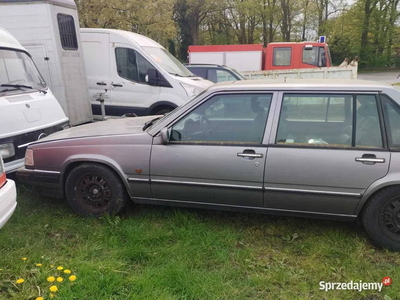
151,76
165,134
155,78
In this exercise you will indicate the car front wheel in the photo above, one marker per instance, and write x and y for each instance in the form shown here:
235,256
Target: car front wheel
94,190
381,218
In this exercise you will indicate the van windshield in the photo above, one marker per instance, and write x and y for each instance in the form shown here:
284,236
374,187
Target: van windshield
167,61
17,68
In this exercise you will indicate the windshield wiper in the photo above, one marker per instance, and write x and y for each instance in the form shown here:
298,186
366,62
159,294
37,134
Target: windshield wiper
20,86
151,122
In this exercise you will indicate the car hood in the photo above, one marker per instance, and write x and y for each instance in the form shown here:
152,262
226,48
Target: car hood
109,127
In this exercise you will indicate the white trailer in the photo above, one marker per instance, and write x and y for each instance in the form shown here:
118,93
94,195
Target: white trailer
49,30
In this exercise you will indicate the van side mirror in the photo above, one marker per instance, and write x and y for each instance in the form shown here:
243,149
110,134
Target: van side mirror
155,78
165,136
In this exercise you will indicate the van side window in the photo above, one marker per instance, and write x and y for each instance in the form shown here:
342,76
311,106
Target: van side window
131,65
144,67
282,56
328,120
66,27
126,64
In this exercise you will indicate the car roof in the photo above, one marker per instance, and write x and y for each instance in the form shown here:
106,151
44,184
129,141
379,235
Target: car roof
339,85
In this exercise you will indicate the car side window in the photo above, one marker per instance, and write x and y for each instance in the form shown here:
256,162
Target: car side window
225,119
328,120
201,72
222,75
391,112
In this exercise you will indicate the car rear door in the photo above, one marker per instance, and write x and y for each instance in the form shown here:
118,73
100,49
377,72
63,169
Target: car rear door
216,153
328,148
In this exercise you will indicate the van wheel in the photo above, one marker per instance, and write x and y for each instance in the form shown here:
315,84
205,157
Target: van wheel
162,110
381,218
94,190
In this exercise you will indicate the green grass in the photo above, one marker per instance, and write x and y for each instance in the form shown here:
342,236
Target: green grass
153,252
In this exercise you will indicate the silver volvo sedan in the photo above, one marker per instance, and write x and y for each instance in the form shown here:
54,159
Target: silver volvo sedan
325,149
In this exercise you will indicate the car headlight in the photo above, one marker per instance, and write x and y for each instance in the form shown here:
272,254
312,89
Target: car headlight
7,150
191,90
29,161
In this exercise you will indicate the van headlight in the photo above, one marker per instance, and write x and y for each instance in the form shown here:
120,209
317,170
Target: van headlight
29,161
7,150
191,90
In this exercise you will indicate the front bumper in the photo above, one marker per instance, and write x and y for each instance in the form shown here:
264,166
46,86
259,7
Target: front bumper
8,201
49,181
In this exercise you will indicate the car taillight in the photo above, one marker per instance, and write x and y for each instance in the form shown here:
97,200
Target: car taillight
2,173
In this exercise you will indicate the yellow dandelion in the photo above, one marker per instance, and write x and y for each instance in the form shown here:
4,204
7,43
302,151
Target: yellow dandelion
53,288
51,295
60,268
24,258
66,271
60,279
39,298
20,280
38,265
51,279
1,269
72,278
51,266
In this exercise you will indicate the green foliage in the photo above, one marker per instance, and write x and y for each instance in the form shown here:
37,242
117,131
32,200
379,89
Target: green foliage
154,252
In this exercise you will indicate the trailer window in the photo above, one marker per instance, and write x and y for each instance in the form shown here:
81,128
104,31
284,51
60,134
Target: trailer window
282,56
66,26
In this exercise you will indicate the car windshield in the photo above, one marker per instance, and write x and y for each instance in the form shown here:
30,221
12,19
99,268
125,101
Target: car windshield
167,61
17,71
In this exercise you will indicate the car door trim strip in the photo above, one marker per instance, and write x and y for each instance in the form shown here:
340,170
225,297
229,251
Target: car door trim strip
139,179
312,192
209,184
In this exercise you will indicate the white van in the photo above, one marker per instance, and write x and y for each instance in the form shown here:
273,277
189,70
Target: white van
136,74
28,109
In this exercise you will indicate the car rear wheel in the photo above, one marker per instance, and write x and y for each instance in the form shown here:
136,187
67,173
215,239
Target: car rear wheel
94,190
381,218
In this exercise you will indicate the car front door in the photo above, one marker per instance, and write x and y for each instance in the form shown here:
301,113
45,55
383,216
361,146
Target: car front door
328,149
215,154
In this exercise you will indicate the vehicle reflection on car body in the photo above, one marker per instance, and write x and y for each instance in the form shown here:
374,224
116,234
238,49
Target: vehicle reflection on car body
326,149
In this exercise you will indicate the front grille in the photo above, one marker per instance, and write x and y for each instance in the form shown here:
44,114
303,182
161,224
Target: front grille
28,138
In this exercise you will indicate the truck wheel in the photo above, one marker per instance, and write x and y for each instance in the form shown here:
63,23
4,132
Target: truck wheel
381,218
94,190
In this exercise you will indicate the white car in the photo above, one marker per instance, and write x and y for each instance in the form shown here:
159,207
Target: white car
8,196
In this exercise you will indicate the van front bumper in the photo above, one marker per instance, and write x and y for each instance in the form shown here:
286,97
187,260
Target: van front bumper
8,201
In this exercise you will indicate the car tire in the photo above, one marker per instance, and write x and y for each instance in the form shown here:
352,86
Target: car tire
94,190
381,218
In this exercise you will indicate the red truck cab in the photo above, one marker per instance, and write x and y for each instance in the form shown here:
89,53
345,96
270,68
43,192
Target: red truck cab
278,56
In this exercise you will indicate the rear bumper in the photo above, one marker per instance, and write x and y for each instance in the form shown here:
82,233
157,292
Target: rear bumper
49,181
8,201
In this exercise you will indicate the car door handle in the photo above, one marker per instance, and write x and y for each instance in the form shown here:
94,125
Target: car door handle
101,83
116,84
370,160
250,154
